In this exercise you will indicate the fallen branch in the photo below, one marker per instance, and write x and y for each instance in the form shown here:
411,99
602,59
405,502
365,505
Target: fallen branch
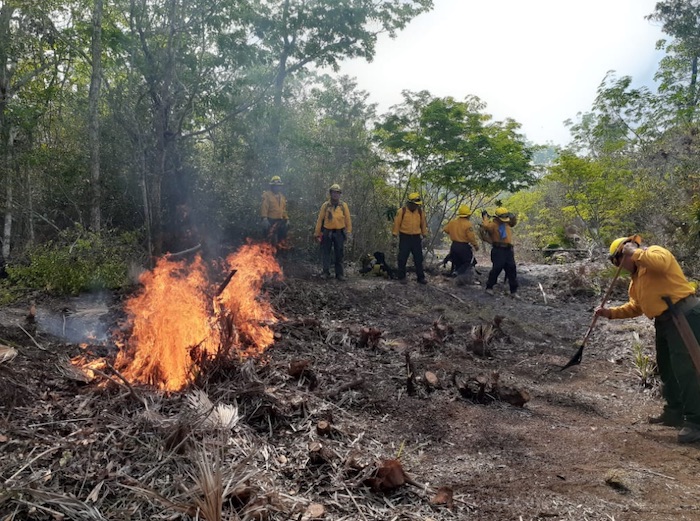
450,294
225,283
183,252
344,387
32,338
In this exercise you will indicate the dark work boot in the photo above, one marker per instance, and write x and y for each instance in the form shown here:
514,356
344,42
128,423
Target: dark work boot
690,433
669,417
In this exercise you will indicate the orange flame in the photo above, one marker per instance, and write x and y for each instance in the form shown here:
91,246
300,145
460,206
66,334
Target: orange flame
177,311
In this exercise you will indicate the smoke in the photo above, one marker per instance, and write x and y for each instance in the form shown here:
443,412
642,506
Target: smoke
84,319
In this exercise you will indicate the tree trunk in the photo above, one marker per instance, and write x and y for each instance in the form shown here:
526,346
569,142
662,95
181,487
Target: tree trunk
7,229
94,125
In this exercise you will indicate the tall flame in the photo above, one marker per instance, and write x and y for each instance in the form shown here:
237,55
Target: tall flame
178,310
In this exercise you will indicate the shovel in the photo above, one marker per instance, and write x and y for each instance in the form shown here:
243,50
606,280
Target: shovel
576,359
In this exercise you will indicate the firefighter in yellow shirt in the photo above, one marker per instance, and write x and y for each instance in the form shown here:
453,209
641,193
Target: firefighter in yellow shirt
502,256
655,274
410,226
333,228
464,243
275,220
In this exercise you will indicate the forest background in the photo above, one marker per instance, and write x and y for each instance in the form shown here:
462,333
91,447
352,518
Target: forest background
133,128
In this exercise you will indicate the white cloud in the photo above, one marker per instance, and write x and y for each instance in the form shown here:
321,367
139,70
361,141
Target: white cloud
536,61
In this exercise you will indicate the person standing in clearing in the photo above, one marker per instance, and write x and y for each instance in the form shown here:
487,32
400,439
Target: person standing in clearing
655,274
464,242
411,227
275,220
333,228
502,256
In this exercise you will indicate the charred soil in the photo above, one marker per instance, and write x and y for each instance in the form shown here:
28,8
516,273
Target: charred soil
364,374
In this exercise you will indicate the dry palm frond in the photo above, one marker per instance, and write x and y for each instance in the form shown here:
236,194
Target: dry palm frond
209,479
215,482
7,353
222,416
72,507
73,372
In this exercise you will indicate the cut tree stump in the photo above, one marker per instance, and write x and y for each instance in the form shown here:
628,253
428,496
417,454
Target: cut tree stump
323,428
431,380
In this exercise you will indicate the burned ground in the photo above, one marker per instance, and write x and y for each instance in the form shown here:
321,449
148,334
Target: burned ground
579,449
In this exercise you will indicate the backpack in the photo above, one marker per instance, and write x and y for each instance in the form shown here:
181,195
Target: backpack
326,211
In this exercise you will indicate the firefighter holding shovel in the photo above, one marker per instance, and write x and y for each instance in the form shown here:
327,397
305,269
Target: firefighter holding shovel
660,291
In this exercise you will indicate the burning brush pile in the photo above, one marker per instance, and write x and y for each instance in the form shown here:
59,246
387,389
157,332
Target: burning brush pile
182,324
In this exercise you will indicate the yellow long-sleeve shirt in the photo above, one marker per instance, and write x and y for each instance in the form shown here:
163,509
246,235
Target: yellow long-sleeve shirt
410,223
658,275
274,206
333,217
493,228
461,230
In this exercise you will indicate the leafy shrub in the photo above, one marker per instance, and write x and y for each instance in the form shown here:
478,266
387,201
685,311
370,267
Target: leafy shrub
78,260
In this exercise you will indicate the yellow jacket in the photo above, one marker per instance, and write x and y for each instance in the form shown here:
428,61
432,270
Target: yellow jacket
333,218
274,206
493,228
658,275
410,223
461,230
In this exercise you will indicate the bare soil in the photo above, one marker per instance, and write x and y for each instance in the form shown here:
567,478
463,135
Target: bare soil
580,449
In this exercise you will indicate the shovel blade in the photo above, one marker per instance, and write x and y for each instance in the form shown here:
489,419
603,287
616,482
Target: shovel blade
575,360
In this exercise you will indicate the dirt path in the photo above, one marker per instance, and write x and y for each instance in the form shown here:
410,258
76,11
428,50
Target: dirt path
580,449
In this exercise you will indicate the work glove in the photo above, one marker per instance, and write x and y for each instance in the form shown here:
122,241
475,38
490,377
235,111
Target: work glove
394,242
348,235
319,238
265,223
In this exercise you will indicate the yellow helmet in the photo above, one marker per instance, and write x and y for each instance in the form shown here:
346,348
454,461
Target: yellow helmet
503,214
617,245
415,198
464,211
276,180
335,187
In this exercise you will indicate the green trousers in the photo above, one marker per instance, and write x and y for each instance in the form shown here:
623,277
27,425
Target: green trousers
681,385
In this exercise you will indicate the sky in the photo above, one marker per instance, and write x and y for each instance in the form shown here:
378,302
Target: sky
538,62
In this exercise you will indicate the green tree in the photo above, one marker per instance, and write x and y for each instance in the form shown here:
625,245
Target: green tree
453,151
301,33
594,191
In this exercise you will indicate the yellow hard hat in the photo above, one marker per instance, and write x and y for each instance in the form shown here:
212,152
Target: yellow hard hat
617,245
335,188
276,180
503,214
464,211
415,198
